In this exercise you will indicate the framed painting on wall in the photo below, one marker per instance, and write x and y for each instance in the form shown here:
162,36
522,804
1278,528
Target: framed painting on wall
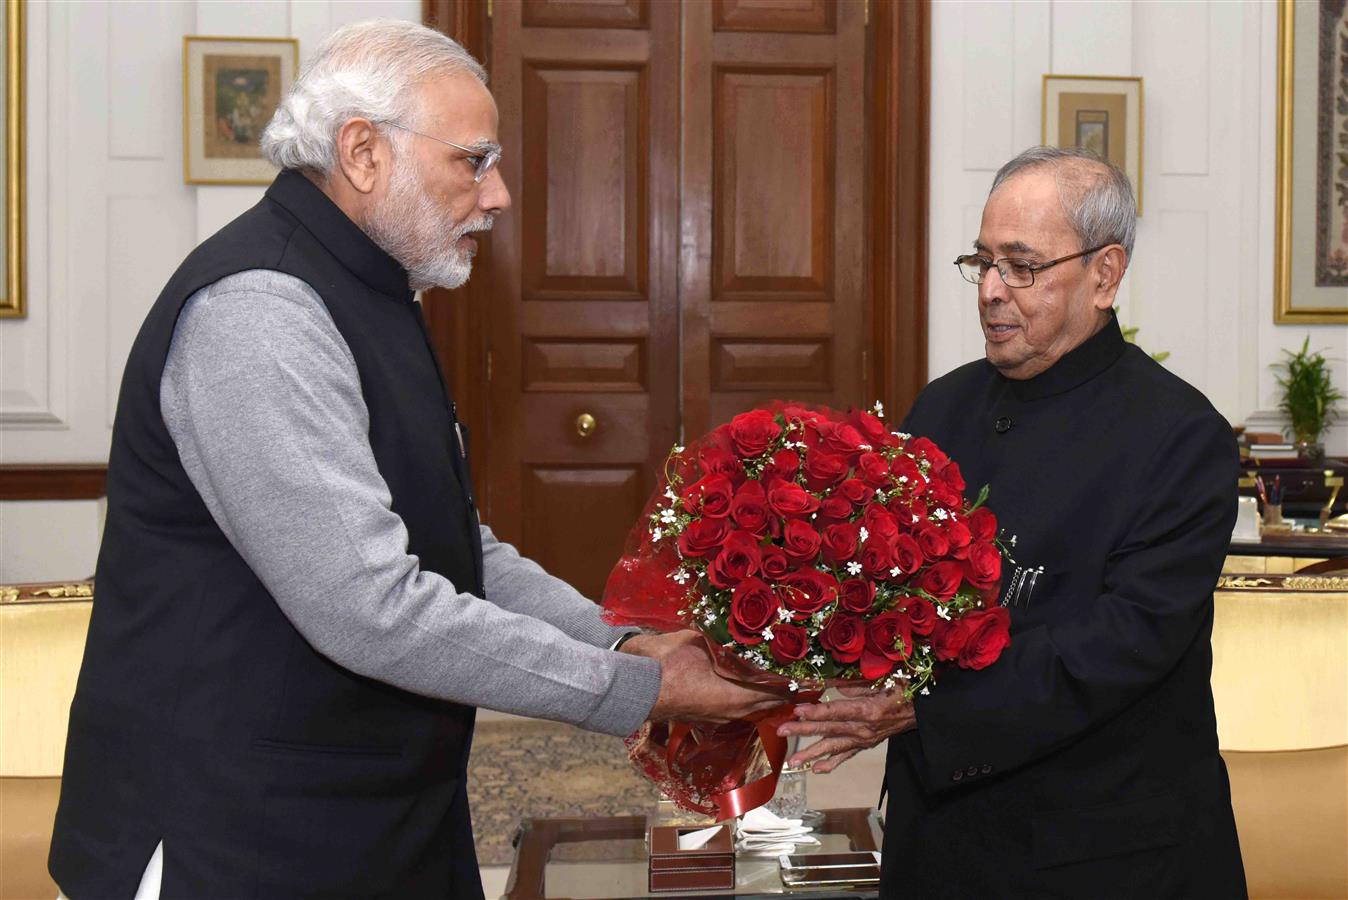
12,223
231,88
1099,114
1310,257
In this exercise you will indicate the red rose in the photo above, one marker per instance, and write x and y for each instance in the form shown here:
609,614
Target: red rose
800,540
774,563
824,470
720,461
702,536
889,639
738,559
957,533
808,591
872,430
749,510
922,614
948,638
933,542
843,439
840,542
835,508
844,637
905,471
752,607
926,449
754,432
880,522
984,565
789,643
857,492
791,500
709,497
907,554
876,558
874,469
784,466
983,524
950,474
856,595
987,634
942,580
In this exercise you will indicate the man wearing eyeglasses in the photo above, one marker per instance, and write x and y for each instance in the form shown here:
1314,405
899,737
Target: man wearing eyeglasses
298,609
1084,762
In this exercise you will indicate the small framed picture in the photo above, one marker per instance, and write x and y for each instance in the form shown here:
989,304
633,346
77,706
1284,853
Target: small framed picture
1102,115
231,88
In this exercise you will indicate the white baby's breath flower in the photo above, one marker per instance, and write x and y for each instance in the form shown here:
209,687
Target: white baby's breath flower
941,514
903,479
670,495
925,692
667,515
943,612
864,534
854,568
878,409
902,434
916,519
783,615
794,685
681,576
867,447
895,572
816,661
678,448
656,534
1013,540
767,633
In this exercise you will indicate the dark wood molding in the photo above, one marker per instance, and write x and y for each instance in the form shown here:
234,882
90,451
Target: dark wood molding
457,319
900,86
53,482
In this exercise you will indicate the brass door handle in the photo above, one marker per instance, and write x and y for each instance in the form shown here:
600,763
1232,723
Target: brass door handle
585,425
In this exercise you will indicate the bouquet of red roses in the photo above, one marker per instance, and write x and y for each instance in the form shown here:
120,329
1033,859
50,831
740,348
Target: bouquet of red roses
810,548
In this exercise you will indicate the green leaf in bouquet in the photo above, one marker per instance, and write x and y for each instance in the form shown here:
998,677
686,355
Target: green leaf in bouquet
718,630
982,497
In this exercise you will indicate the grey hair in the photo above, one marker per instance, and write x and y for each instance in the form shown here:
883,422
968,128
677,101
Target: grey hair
1096,194
363,70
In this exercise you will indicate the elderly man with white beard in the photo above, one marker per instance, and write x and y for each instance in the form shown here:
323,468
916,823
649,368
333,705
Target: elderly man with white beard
297,608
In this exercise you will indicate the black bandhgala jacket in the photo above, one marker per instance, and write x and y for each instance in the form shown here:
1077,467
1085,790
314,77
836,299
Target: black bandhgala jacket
202,717
1083,763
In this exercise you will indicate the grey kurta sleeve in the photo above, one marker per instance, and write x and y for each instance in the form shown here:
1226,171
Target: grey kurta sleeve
262,398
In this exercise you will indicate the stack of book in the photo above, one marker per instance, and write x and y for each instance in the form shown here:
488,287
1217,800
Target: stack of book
1262,446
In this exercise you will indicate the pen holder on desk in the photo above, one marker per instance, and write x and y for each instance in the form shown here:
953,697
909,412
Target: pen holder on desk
1273,517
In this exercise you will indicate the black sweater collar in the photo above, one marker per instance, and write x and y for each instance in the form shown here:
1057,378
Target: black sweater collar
342,237
1078,366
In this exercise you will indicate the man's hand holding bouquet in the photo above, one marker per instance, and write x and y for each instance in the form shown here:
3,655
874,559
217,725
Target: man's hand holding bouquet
803,548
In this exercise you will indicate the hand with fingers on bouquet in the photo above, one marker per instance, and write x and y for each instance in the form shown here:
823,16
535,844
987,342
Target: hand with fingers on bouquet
801,548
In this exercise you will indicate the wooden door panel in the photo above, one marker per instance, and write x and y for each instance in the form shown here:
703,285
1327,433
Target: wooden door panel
585,322
585,13
585,231
773,288
576,365
810,16
570,513
773,188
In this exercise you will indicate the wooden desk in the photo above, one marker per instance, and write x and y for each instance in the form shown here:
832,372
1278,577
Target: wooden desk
606,858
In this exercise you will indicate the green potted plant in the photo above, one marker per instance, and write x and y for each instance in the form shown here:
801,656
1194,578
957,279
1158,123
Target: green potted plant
1308,398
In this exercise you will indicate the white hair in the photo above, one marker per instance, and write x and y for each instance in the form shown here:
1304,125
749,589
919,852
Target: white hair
363,70
1096,194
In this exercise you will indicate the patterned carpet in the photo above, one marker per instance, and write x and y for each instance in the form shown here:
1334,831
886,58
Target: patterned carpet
546,769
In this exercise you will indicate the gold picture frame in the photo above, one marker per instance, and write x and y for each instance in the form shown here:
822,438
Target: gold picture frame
1100,113
13,304
231,88
1307,288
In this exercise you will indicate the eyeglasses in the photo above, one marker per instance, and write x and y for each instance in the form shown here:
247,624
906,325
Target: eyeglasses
1017,273
483,158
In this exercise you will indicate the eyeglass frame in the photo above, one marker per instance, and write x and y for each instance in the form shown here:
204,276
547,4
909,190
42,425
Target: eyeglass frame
489,157
1029,266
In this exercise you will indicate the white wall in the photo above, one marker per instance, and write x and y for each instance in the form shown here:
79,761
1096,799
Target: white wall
109,219
1201,284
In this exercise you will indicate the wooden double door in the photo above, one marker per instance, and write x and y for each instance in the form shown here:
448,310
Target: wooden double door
689,238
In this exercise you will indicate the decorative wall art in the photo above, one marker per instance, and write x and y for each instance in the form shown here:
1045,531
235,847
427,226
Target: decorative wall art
231,88
1103,115
12,281
1310,278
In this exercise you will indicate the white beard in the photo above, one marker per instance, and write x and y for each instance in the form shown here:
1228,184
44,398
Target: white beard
423,237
